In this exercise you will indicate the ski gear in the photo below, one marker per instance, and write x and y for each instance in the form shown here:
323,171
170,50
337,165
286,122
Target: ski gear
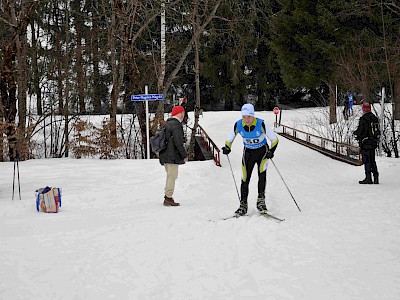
233,176
247,110
276,168
269,154
255,138
268,215
226,150
242,210
250,158
261,203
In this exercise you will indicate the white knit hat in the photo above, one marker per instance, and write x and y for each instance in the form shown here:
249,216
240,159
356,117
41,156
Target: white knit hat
248,110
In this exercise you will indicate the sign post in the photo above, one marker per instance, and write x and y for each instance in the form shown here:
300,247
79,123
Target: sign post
276,112
147,97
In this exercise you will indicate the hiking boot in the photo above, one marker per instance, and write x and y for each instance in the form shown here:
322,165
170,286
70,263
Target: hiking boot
170,202
376,178
367,180
261,203
242,210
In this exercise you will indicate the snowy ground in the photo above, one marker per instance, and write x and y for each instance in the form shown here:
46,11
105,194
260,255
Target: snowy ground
113,239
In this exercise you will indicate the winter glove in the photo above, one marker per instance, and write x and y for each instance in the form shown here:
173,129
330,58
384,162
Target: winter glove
226,150
269,154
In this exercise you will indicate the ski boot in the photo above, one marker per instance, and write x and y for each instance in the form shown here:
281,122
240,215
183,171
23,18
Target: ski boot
261,203
367,180
242,210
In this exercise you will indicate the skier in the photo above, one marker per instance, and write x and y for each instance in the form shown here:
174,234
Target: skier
174,153
351,103
255,136
368,143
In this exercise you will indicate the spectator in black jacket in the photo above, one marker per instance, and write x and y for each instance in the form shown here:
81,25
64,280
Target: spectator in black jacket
174,154
367,144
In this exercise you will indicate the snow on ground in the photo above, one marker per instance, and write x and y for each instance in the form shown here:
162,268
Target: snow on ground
113,238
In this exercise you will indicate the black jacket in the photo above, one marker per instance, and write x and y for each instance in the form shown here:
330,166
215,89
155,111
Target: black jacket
175,152
364,132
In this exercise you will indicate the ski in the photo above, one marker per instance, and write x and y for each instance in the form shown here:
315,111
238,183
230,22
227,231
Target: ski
235,216
267,215
263,214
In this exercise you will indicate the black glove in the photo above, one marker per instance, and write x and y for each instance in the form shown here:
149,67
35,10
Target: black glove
269,154
226,150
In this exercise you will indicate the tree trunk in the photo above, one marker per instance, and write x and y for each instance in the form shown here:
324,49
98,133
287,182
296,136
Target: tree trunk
332,104
115,89
161,77
197,81
396,98
35,71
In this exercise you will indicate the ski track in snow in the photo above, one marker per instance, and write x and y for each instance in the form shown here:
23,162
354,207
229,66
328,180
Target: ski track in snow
113,238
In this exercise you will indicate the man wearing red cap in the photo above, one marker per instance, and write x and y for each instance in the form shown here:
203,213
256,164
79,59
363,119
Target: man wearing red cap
368,143
174,153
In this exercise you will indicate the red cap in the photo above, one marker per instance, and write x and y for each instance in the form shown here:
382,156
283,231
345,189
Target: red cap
366,107
177,109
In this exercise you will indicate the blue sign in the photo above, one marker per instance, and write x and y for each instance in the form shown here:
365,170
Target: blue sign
147,97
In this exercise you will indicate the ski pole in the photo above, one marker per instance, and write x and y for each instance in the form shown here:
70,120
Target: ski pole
285,184
233,177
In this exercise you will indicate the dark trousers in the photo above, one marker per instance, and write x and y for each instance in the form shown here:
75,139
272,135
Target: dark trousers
250,158
368,158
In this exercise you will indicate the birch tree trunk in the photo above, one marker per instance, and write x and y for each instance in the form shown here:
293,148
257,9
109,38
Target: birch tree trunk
196,34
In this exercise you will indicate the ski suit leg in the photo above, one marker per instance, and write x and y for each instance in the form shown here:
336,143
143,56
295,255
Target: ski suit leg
249,159
262,164
248,163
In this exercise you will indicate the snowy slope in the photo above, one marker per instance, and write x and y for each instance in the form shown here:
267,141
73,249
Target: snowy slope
114,239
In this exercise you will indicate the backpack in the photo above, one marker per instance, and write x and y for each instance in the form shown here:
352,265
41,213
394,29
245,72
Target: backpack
375,133
158,142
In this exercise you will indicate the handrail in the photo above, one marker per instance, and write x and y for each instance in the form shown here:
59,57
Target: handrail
210,145
341,149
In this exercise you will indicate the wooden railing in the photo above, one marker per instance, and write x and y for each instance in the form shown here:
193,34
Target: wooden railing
210,145
341,150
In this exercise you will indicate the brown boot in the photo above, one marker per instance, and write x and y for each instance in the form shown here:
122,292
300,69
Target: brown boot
170,202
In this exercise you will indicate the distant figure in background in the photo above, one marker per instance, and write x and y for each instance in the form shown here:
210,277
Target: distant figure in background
184,104
367,135
351,103
174,153
346,107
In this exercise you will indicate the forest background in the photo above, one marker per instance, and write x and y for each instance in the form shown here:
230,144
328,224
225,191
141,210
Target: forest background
64,59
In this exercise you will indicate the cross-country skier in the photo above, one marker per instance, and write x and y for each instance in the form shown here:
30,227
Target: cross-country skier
255,136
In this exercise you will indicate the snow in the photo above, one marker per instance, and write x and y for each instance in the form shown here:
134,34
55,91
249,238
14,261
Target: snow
113,238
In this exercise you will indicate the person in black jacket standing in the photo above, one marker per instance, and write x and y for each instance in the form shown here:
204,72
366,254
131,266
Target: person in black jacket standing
368,144
174,153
